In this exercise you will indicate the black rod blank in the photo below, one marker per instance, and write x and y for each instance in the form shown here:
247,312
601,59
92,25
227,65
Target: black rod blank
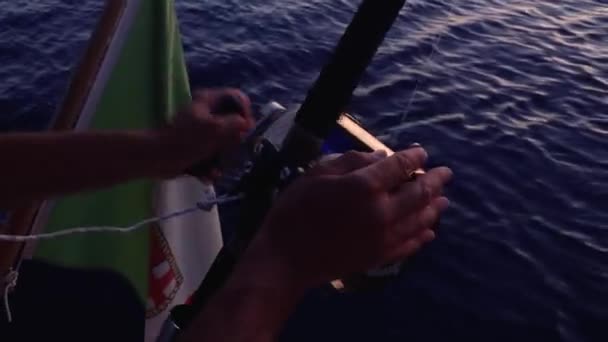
334,87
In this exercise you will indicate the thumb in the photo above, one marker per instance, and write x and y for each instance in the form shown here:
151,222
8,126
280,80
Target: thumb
230,130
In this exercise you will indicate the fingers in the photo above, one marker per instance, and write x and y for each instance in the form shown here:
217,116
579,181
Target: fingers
429,216
418,194
418,229
347,163
426,218
230,109
395,170
412,245
226,101
230,130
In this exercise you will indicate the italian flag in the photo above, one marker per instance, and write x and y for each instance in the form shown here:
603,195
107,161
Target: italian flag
133,76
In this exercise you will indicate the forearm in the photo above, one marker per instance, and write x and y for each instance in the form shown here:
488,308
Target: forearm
252,306
35,166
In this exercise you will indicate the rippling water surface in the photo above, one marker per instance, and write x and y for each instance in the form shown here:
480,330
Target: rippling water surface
512,94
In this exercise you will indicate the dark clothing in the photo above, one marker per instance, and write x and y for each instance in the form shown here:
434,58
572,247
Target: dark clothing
54,303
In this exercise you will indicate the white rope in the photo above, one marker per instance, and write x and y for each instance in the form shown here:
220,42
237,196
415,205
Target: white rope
10,279
202,205
9,282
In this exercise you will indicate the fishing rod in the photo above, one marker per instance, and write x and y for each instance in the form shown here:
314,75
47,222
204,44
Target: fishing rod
273,169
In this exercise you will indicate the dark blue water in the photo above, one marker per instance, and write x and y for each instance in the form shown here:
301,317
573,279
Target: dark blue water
512,94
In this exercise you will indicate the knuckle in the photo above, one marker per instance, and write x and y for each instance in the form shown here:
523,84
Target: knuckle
362,184
199,108
380,214
405,163
426,191
242,97
429,217
413,246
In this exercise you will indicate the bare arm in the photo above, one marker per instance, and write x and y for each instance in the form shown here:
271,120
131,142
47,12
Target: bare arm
253,306
346,216
39,165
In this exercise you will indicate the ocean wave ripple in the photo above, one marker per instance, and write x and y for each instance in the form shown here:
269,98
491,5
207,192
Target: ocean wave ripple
512,94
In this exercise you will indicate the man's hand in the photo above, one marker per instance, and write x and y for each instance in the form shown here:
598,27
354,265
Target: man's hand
212,124
353,213
345,216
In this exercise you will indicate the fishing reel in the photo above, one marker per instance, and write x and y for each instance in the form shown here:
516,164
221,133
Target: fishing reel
348,134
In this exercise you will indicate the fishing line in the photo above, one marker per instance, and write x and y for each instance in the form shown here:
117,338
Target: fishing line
429,59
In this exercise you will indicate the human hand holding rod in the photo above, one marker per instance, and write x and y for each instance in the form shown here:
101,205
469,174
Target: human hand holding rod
80,161
344,216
